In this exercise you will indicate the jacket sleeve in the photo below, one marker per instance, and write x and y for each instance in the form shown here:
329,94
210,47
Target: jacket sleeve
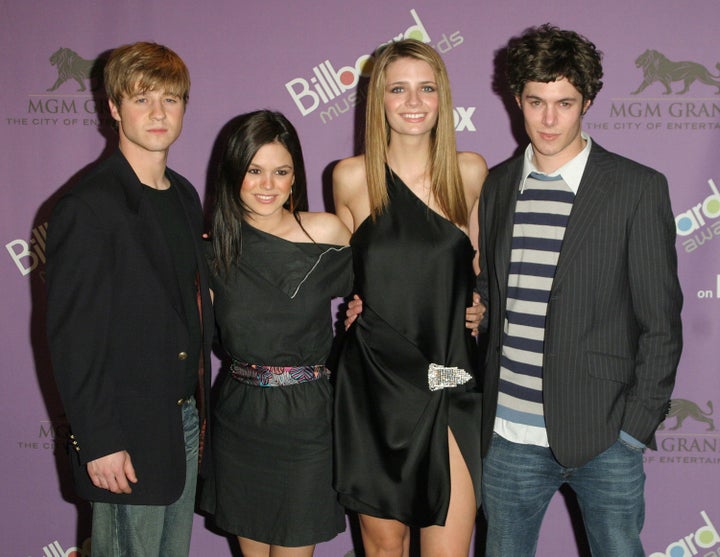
657,302
80,285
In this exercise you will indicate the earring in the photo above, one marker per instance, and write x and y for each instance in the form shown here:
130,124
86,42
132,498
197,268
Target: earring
292,201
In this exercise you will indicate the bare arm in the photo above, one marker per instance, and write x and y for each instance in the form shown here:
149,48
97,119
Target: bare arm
474,171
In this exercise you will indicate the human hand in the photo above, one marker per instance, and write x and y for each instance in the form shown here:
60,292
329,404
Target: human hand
112,472
474,315
354,309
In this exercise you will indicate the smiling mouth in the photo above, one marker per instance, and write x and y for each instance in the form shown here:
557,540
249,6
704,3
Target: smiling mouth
414,117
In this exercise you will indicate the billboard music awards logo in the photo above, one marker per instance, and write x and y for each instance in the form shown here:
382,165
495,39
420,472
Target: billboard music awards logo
54,549
700,224
687,436
696,542
334,91
662,100
29,256
83,107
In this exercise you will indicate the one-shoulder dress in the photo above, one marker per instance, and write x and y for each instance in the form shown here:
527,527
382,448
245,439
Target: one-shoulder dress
413,271
272,427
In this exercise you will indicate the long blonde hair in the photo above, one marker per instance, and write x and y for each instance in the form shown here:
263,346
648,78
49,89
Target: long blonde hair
446,181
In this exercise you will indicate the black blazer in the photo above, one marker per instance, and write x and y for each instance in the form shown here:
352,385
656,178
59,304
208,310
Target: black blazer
117,332
613,333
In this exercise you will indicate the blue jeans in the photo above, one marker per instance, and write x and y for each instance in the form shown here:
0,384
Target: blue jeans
519,481
152,530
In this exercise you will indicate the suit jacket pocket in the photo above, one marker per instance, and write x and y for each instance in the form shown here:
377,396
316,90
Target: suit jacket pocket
611,367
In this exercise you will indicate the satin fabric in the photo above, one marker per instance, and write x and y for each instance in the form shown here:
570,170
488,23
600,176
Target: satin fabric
413,270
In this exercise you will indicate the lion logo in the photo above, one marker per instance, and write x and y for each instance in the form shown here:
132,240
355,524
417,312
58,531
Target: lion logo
680,409
656,67
71,66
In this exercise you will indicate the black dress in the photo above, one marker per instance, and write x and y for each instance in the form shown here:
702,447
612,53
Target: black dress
413,270
272,446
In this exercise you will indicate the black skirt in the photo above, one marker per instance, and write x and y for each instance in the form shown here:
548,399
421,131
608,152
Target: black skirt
272,452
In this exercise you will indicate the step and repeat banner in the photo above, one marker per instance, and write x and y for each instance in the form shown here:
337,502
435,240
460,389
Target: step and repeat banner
660,106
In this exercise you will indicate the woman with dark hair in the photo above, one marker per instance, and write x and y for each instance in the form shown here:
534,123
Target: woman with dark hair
407,416
275,270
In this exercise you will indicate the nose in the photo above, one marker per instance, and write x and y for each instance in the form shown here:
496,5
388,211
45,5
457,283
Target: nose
413,98
266,181
158,110
549,116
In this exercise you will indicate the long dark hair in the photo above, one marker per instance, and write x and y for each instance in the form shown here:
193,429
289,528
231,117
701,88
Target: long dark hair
244,136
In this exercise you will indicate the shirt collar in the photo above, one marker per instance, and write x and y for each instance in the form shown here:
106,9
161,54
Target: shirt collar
571,171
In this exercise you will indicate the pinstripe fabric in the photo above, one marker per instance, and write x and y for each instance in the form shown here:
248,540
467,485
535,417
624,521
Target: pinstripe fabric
613,332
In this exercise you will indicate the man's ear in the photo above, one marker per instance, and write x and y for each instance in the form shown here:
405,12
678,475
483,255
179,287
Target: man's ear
114,110
586,107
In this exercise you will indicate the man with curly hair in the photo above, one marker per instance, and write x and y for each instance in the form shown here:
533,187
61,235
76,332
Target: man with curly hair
127,299
579,276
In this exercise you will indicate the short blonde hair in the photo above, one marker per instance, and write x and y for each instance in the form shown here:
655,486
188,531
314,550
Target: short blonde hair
145,66
445,171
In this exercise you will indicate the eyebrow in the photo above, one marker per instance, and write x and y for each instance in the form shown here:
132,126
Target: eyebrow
402,82
537,98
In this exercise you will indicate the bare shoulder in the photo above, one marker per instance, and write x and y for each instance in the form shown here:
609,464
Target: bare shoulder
325,228
474,170
350,193
349,174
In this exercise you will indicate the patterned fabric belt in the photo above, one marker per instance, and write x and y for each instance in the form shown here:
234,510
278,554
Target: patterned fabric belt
276,376
441,377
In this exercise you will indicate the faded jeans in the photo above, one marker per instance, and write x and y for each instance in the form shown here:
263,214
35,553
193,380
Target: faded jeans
152,530
519,481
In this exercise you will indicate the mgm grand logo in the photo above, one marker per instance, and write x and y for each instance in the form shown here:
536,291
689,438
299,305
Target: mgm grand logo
87,106
688,435
71,66
682,409
656,67
676,109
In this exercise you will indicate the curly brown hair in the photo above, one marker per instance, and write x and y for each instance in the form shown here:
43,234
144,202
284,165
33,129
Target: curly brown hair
547,53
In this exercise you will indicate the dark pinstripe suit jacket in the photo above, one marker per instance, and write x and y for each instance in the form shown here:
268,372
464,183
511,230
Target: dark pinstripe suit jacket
613,334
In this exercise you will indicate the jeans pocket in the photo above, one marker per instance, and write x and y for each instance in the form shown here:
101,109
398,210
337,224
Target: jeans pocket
630,446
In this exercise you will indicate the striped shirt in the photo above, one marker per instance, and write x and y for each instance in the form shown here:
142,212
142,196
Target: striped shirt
541,215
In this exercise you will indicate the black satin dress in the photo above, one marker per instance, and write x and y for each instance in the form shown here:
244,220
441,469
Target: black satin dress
413,270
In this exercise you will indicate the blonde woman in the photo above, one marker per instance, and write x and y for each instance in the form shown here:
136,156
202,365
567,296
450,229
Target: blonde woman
407,440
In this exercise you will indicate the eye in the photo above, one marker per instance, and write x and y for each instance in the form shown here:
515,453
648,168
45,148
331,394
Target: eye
429,89
253,171
282,172
396,89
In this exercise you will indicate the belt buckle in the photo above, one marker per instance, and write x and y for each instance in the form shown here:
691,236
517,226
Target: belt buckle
442,377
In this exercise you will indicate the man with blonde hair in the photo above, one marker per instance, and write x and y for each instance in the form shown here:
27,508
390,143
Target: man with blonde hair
127,300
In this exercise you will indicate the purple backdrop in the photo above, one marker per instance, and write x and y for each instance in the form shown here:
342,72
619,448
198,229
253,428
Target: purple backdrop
302,58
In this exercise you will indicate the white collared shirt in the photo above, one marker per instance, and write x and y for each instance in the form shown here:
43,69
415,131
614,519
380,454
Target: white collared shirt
571,171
